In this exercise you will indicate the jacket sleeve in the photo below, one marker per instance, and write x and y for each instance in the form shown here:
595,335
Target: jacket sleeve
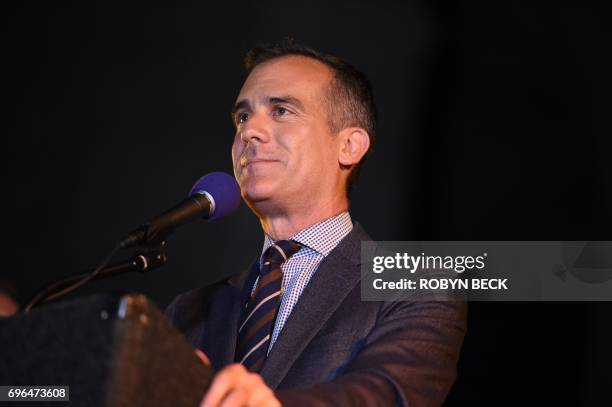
409,358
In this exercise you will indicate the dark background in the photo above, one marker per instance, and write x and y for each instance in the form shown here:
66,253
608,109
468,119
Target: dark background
495,124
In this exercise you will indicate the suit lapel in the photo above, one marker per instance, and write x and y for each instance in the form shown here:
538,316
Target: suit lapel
336,276
224,313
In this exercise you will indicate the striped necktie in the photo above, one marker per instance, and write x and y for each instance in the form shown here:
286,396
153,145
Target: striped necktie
256,328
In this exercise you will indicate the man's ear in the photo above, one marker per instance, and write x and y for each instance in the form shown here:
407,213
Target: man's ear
354,143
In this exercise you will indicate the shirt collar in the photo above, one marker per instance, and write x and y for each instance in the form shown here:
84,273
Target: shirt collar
322,237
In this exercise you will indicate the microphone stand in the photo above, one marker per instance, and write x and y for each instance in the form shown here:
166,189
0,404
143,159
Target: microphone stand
152,257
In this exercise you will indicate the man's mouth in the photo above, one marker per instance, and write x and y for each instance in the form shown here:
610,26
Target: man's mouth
255,161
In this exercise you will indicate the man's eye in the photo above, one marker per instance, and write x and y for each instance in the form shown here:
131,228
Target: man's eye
242,117
280,111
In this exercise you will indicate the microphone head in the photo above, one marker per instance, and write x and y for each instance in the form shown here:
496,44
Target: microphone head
224,191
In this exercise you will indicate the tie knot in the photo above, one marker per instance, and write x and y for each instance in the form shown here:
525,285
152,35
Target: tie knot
280,252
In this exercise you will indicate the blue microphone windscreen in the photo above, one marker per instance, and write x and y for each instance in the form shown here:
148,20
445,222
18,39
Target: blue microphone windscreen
224,190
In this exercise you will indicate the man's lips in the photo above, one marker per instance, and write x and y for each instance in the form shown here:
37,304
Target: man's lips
246,162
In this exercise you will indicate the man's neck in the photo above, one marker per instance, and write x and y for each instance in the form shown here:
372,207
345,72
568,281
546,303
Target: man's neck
285,226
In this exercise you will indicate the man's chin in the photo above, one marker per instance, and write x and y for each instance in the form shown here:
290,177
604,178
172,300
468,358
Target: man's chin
263,199
254,191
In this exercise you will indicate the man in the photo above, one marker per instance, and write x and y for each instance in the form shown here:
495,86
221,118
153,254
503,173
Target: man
8,304
304,123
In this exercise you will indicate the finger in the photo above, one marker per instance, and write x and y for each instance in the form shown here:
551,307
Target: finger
238,397
250,390
263,397
260,393
202,357
222,383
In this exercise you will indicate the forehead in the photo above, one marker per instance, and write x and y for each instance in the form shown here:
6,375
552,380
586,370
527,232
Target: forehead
293,75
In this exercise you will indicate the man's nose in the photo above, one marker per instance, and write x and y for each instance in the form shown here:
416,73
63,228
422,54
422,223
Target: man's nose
256,128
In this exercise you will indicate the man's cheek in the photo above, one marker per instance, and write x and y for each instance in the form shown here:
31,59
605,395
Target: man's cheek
236,153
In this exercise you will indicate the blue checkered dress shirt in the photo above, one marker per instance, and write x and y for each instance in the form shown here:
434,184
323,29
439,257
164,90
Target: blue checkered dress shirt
317,241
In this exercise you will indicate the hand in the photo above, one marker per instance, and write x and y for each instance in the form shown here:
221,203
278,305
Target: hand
236,386
202,357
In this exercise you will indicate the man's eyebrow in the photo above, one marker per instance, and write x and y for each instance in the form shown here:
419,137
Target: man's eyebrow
290,100
241,104
272,100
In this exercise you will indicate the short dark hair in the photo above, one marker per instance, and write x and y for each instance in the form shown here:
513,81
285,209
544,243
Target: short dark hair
350,101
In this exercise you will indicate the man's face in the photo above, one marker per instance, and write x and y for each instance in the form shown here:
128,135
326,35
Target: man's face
283,151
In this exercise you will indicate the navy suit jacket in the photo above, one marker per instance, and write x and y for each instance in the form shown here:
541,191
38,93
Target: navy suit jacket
334,348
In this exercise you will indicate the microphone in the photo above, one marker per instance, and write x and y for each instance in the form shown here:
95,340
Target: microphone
213,196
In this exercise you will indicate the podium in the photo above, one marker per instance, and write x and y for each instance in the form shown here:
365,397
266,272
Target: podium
110,351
